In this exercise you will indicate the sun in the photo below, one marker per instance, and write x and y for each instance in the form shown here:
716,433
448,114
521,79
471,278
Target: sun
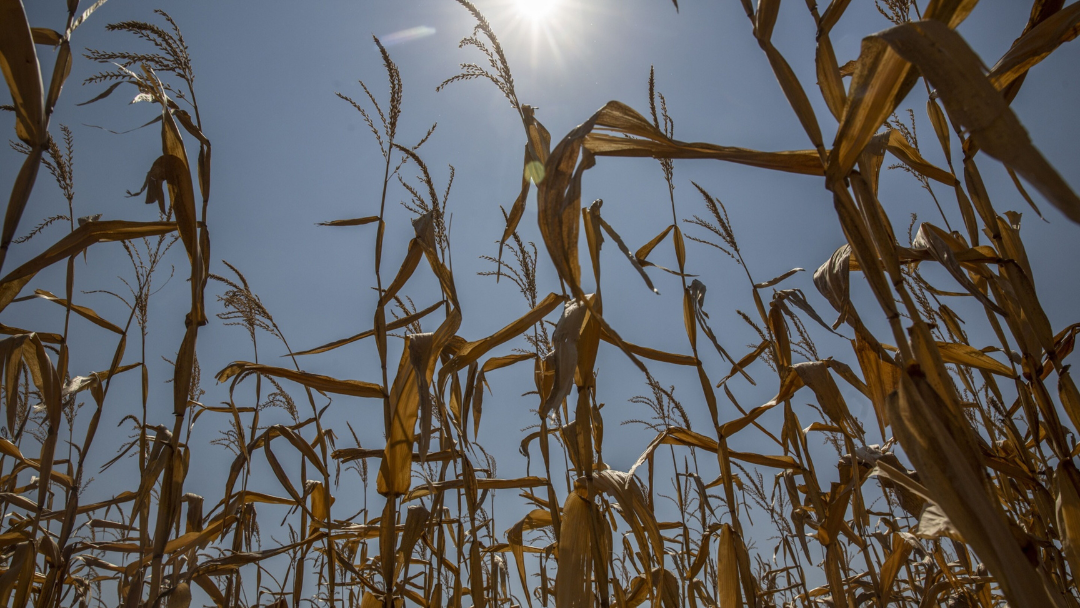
536,10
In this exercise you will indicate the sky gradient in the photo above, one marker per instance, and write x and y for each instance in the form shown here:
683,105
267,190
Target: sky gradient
287,154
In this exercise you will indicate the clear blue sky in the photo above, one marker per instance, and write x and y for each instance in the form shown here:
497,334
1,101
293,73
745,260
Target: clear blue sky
287,154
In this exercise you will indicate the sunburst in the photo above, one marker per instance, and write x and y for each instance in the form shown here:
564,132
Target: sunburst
536,11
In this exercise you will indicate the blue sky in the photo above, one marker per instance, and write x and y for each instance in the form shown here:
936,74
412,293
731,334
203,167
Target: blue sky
289,154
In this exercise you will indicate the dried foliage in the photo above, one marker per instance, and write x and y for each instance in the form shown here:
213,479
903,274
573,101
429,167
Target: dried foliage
971,498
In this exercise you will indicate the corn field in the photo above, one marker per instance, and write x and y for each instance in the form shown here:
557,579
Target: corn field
955,485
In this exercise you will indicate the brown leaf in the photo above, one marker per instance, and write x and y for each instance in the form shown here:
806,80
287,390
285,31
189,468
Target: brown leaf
951,67
727,570
880,81
650,353
830,80
352,222
622,246
537,518
394,472
795,95
355,388
19,62
1067,489
882,377
74,243
20,194
473,351
1035,45
962,354
395,324
815,374
565,352
901,149
933,524
45,36
61,70
941,445
943,247
82,311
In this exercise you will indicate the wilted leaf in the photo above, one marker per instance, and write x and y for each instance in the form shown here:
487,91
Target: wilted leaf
74,243
19,62
355,388
952,68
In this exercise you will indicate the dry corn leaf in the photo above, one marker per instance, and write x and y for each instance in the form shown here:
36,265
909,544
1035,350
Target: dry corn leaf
829,78
482,483
356,388
815,374
695,301
765,19
1067,489
61,70
901,149
395,324
573,586
882,377
622,247
881,80
19,62
537,518
45,36
642,254
565,353
765,460
943,248
962,354
412,259
951,67
237,559
20,194
796,96
941,446
81,383
648,141
832,280
74,243
933,524
394,471
559,204
351,222
727,570
19,574
537,151
473,351
745,361
651,353
777,280
941,127
421,348
353,454
174,171
635,509
82,311
901,548
476,403
1023,192
832,13
1035,45
48,338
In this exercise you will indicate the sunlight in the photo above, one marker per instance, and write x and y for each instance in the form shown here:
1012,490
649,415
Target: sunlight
546,30
536,10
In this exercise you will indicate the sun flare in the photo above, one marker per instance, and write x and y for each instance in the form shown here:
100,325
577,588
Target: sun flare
536,10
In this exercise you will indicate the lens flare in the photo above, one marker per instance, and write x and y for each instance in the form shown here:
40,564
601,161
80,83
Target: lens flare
536,10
